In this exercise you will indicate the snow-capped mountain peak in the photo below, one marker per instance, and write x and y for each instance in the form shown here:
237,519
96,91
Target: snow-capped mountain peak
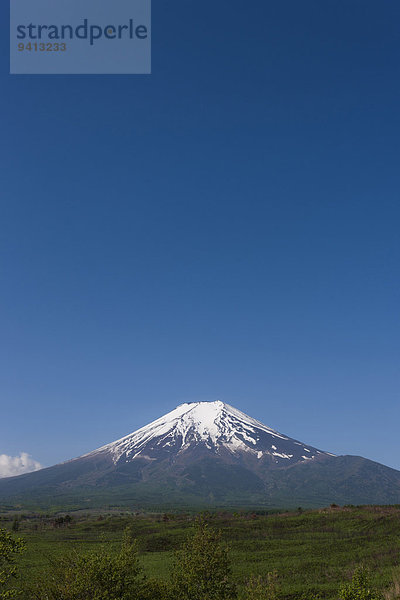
205,454
211,427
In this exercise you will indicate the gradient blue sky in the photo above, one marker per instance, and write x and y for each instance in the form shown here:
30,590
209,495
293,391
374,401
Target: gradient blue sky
226,228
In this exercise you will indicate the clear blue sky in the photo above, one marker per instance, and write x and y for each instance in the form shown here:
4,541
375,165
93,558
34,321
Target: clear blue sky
226,228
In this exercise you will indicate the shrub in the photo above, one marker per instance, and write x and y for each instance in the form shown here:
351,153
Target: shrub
360,587
393,593
9,548
201,569
98,575
259,588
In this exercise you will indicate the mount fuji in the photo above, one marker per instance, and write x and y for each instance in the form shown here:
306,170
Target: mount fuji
206,454
208,428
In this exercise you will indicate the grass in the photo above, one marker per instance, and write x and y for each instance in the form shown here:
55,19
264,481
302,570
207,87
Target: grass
313,551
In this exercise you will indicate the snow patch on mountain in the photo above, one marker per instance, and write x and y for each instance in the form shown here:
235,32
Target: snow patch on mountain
211,425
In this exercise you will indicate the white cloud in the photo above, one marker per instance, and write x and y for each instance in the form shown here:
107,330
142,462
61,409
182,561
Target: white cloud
16,465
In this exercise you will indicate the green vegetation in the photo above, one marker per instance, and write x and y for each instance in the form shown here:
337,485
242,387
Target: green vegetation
201,569
96,575
9,548
299,555
360,587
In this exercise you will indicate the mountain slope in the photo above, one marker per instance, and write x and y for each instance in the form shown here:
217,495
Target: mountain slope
206,453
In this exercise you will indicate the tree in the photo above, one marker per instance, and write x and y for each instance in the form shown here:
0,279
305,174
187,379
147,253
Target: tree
9,549
201,569
360,587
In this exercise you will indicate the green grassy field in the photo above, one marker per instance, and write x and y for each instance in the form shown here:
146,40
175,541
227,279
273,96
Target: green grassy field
312,551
